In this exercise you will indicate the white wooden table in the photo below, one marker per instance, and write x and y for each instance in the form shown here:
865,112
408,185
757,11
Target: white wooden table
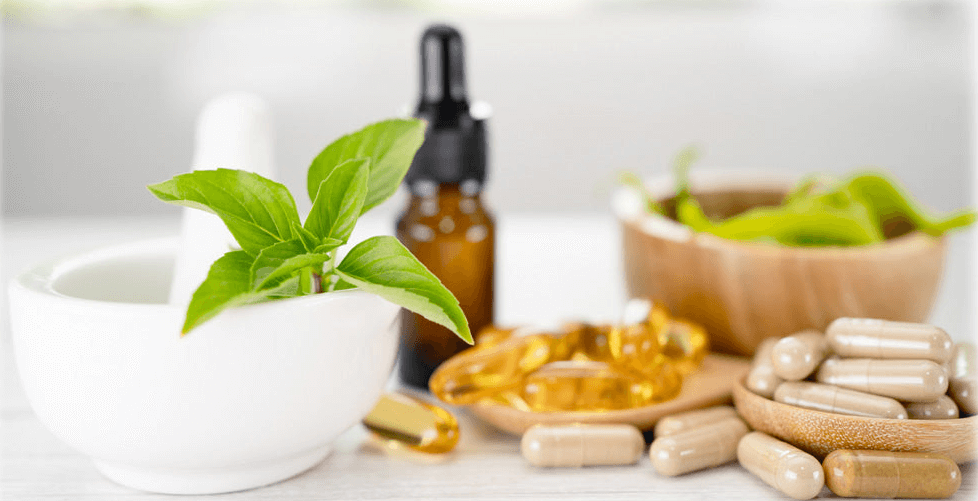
542,263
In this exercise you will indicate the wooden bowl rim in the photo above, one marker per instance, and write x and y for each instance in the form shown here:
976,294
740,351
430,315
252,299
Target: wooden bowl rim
627,207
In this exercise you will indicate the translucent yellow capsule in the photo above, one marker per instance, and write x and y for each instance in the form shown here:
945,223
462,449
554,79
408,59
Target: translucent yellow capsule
685,344
508,398
419,425
492,335
475,374
596,386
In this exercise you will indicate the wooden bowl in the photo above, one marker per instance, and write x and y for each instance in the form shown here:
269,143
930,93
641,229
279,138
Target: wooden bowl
820,433
710,385
744,292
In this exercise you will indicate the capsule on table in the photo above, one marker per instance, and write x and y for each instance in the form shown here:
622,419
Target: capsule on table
761,379
872,338
907,380
942,408
582,445
596,386
417,424
963,378
685,421
828,398
795,357
884,474
697,448
475,374
685,344
781,465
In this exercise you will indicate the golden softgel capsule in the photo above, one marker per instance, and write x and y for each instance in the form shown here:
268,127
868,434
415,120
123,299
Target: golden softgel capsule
419,425
491,335
698,448
685,344
828,398
884,474
596,386
942,408
582,445
781,465
871,338
907,380
761,379
795,357
685,421
477,373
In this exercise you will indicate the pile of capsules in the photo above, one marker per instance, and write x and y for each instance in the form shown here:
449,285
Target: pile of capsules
580,367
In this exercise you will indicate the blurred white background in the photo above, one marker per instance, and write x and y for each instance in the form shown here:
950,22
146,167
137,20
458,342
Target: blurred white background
99,102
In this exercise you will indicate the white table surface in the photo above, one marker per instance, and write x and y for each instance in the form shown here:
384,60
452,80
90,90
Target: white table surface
544,263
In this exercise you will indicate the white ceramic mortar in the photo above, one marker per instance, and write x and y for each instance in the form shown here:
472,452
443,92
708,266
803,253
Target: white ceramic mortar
249,398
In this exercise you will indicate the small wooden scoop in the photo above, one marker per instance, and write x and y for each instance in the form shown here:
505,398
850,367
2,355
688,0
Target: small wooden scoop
710,385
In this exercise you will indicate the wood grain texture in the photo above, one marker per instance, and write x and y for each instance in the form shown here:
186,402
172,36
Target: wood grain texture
744,292
710,385
821,432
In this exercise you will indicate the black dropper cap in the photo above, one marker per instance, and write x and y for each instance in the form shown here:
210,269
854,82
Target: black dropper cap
454,149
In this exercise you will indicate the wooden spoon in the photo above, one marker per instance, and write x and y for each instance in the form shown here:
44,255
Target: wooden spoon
821,433
710,385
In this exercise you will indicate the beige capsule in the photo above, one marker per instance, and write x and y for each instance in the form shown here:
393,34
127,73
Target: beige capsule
872,338
963,378
781,465
582,445
942,408
795,357
828,398
684,421
964,391
907,380
761,379
697,448
884,474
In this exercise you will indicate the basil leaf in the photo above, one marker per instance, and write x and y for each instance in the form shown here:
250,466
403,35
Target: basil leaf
258,211
339,200
227,285
277,262
309,241
390,145
382,266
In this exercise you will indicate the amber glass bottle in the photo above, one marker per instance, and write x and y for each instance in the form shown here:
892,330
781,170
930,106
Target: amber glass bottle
445,224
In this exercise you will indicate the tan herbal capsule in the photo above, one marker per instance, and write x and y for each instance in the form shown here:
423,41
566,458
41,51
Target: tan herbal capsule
795,357
942,408
685,421
697,448
827,398
907,380
761,379
582,445
871,338
884,474
781,465
963,378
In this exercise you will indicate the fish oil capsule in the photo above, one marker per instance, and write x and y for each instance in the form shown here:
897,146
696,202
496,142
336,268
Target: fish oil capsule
507,398
884,474
582,445
698,448
474,374
419,425
828,398
685,344
781,465
942,408
761,379
963,378
685,421
595,386
795,357
492,335
907,380
871,338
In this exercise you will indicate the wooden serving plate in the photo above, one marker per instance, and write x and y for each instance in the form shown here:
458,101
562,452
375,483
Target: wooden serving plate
821,433
710,385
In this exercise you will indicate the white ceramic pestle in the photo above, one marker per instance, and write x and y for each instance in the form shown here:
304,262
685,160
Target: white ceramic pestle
233,131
